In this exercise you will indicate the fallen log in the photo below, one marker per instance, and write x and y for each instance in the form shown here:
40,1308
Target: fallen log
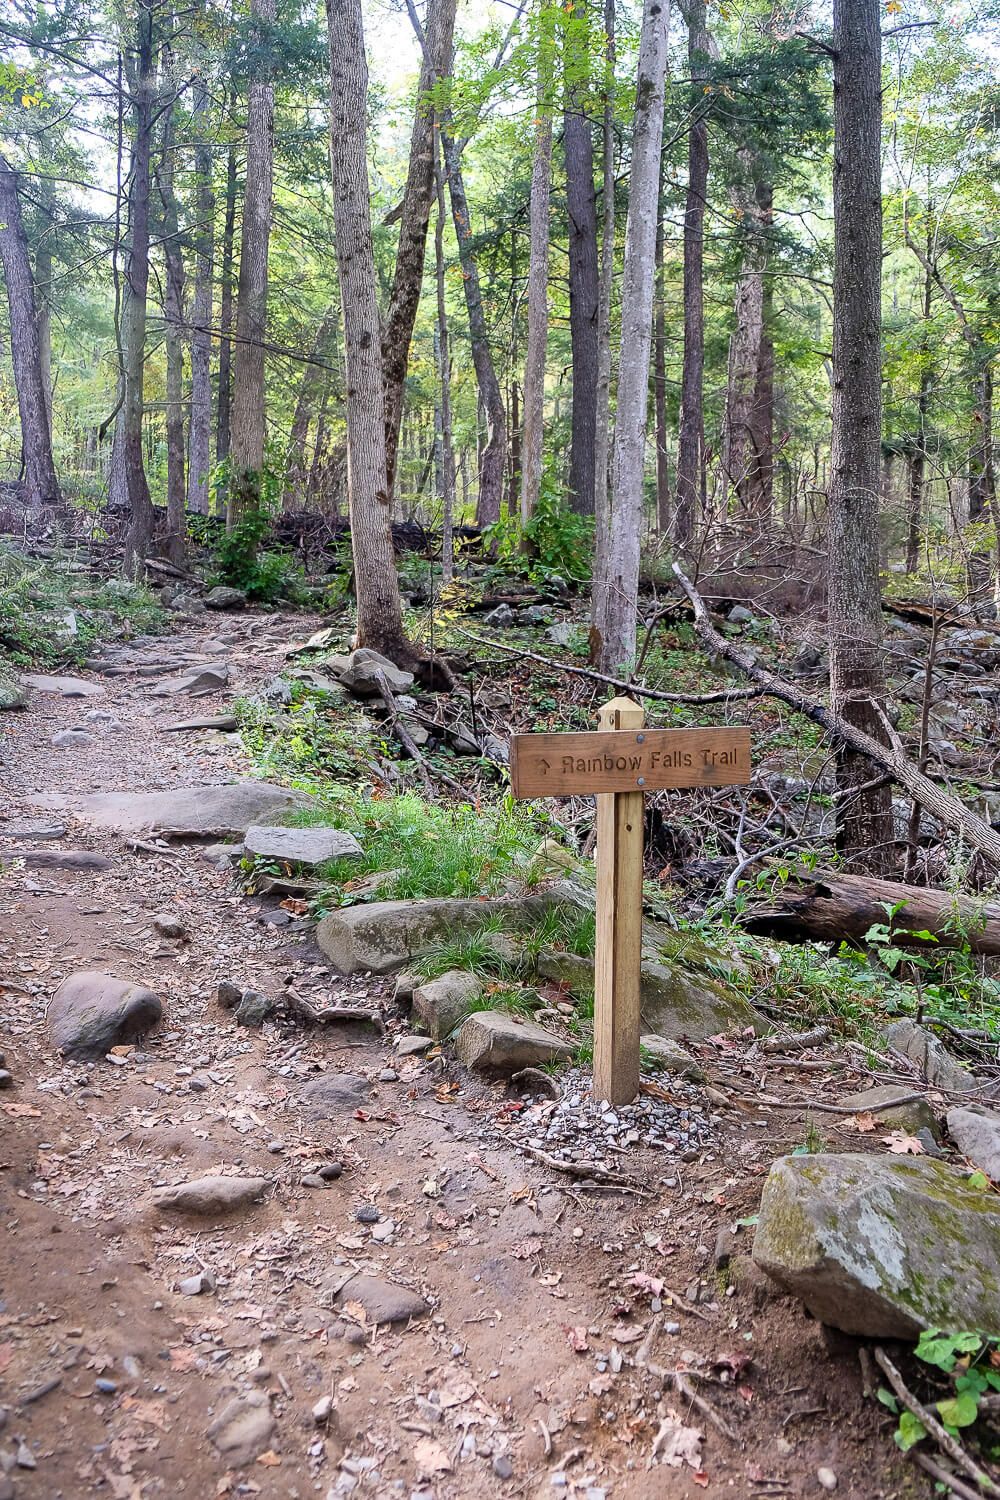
935,801
829,907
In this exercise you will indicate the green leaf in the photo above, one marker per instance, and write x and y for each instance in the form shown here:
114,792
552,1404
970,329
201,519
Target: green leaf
960,1411
910,1431
942,1349
748,1222
888,1399
978,1180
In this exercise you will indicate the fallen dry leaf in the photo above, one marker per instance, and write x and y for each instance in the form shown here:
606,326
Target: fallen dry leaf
456,1394
431,1458
651,1284
675,1444
864,1122
526,1249
183,1358
22,1111
577,1339
269,1460
901,1144
152,1413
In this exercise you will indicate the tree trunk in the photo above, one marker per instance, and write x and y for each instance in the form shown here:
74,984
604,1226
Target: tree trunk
246,452
173,317
225,389
602,436
41,487
380,619
316,377
584,290
438,42
865,833
493,454
691,437
200,421
747,437
533,388
444,383
514,486
133,321
43,292
615,621
660,380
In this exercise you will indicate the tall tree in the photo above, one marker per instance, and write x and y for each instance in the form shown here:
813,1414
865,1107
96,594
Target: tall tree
444,383
602,438
414,217
857,680
615,622
41,487
691,438
224,394
173,317
581,210
315,382
533,388
246,450
748,434
660,376
200,423
380,616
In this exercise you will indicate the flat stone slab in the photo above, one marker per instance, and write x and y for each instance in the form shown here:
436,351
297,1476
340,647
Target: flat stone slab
381,936
210,721
197,680
66,687
930,1055
300,846
91,1012
381,1301
495,1041
882,1246
211,1195
333,1094
33,828
60,859
189,812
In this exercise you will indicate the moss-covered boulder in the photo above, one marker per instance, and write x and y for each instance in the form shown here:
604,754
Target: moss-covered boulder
884,1246
382,936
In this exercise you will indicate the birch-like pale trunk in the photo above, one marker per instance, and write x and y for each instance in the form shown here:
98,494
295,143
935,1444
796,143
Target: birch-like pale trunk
584,275
602,436
173,318
857,678
133,320
615,622
536,344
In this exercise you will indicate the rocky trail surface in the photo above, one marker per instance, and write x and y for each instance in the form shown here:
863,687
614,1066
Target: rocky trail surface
285,1262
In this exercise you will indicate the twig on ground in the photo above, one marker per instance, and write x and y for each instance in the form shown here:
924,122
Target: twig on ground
944,1476
680,1382
949,1445
585,1169
796,1043
832,1109
408,743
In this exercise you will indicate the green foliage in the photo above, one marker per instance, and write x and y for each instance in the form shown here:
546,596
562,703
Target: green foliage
971,1360
302,741
51,613
239,561
556,541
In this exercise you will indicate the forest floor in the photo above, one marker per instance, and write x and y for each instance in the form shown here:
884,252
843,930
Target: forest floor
522,1380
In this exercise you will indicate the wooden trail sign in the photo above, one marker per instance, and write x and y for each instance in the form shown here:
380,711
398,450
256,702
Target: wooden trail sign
619,764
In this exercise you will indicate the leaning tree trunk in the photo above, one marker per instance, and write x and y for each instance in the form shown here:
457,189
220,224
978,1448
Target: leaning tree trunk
857,680
133,321
584,291
200,423
173,317
533,388
380,618
246,449
602,435
615,620
41,487
223,412
418,197
493,455
691,437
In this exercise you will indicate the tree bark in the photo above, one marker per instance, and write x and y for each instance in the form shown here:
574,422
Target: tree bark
660,380
246,452
43,292
918,452
133,321
602,436
173,317
444,384
41,487
380,620
533,388
418,196
584,288
225,385
315,380
865,833
691,436
748,456
615,622
200,422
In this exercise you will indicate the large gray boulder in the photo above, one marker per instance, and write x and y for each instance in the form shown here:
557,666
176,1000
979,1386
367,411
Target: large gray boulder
190,812
381,936
674,1004
357,672
883,1246
12,696
976,1133
494,1041
90,1013
440,1004
300,846
930,1055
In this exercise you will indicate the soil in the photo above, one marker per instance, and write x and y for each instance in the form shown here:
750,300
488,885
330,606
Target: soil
521,1380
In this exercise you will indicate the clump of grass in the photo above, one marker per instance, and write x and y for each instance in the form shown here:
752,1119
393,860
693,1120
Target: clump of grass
475,952
51,614
305,743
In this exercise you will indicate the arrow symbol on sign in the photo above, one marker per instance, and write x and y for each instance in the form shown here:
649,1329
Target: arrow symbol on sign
545,765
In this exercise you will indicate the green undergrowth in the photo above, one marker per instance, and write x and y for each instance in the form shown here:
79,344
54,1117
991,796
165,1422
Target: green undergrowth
53,612
313,740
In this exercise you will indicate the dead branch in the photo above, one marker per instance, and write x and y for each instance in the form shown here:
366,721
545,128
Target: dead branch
797,1042
681,1384
298,1005
585,1169
944,1476
939,804
405,738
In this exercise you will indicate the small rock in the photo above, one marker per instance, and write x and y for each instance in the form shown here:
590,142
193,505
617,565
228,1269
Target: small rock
383,1301
168,925
243,1428
670,1057
442,1004
223,597
739,615
228,994
210,1195
195,1286
334,1094
105,1387
383,1231
388,1075
501,618
68,739
408,1045
310,847
494,1040
312,1180
976,1133
321,1411
6,1079
253,1009
502,1467
25,1459
931,1056
367,1214
330,1171
90,1013
534,1081
725,1247
827,1478
909,1117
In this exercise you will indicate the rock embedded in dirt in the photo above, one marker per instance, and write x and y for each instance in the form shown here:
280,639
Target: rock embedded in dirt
357,672
211,678
71,739
253,1008
441,1004
168,926
409,1045
917,1115
12,696
91,1012
882,1246
209,721
223,597
976,1133
333,1094
66,687
382,936
61,859
932,1057
382,1301
207,1196
189,812
495,1041
228,994
243,1429
6,1079
501,618
300,846
669,1057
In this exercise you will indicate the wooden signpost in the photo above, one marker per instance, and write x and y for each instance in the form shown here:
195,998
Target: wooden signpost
618,764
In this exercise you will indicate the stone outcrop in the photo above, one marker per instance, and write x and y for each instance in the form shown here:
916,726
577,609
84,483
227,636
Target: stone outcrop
190,812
